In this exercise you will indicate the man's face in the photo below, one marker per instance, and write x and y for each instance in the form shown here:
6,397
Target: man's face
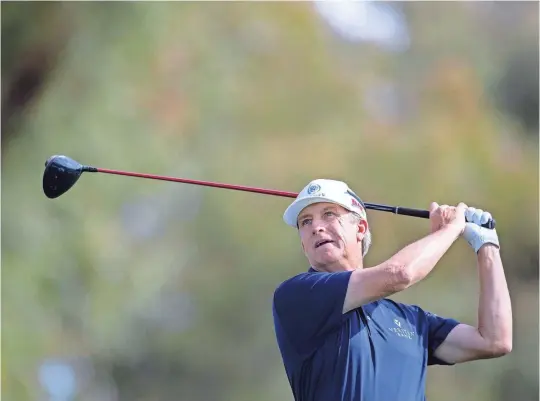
330,237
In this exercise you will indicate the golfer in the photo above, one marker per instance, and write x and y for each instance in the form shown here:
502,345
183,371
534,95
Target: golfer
339,335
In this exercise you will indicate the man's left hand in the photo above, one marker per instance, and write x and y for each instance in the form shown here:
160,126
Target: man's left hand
474,233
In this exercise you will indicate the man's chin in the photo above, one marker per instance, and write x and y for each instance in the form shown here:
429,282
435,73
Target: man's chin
328,258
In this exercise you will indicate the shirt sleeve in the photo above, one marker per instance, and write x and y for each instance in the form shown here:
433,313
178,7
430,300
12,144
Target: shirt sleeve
309,306
438,330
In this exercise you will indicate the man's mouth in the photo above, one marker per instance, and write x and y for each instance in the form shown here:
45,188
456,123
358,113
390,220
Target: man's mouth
322,242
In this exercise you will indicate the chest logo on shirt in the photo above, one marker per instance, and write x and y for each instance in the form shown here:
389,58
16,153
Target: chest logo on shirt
402,332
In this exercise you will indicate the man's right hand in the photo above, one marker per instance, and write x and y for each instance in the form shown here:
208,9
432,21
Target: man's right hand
444,215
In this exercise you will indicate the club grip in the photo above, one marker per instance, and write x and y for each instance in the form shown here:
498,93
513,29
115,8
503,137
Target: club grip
425,214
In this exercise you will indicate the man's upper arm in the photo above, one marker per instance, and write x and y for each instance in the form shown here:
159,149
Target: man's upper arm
309,306
371,284
465,343
438,329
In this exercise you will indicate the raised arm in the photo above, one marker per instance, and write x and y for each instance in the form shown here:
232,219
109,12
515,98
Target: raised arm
411,264
492,336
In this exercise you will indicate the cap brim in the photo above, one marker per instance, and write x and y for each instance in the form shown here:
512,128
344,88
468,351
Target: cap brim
291,213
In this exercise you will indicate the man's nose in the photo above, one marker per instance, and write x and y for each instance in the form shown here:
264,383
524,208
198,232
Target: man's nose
318,227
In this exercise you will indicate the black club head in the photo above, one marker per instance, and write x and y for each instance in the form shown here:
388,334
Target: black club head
60,174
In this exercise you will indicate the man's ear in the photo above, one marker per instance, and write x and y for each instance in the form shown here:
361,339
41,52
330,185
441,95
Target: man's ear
362,230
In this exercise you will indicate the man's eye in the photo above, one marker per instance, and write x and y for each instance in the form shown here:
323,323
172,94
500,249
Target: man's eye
305,222
329,213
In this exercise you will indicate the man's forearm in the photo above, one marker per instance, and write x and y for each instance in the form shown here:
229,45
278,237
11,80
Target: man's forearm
420,257
494,309
405,268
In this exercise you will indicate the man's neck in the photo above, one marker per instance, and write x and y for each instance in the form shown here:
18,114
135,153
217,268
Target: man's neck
339,266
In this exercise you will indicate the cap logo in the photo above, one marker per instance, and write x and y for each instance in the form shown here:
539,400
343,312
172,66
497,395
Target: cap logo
356,203
314,188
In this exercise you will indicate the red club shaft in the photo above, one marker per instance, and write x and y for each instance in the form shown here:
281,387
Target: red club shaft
198,182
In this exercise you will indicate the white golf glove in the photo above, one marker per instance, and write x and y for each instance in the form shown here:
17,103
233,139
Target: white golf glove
474,233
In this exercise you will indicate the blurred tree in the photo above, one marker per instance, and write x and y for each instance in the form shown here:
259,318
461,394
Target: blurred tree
33,35
517,91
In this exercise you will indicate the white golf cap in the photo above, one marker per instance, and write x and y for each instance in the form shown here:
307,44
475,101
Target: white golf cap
323,190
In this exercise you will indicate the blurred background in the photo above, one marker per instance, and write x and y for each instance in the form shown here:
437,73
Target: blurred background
126,289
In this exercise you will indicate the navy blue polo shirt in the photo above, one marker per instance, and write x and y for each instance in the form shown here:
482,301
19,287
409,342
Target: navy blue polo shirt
378,352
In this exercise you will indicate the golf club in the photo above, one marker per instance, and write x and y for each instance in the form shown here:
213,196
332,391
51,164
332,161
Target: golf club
62,172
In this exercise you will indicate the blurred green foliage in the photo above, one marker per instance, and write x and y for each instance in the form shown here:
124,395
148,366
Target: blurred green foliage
158,291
